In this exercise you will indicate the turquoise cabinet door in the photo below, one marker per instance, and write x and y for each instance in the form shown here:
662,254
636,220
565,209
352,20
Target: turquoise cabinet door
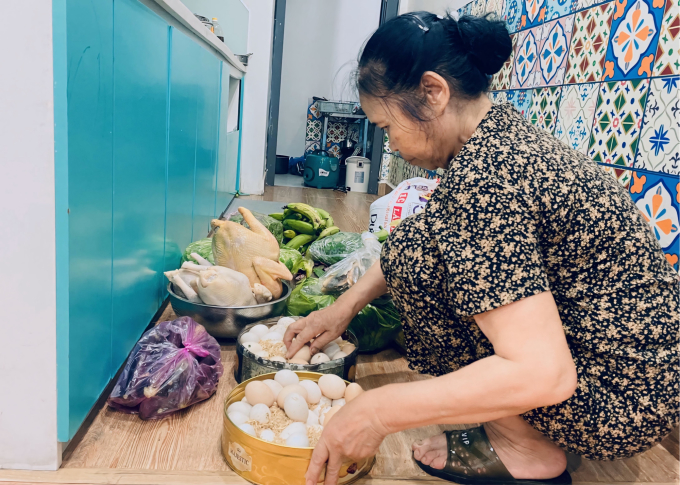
90,179
184,95
140,76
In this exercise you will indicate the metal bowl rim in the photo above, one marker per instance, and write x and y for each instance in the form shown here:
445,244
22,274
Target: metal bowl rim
260,305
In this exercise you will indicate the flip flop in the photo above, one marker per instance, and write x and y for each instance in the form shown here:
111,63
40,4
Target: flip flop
471,460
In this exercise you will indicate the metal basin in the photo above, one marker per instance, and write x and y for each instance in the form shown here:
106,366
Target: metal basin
227,322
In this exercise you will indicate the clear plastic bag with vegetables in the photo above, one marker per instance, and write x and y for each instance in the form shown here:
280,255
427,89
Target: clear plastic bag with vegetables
174,365
274,226
202,247
343,275
336,247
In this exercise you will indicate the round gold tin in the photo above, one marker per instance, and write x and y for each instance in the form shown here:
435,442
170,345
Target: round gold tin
265,463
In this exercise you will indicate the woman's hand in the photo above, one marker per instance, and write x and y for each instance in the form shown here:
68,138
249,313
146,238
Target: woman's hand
355,433
323,326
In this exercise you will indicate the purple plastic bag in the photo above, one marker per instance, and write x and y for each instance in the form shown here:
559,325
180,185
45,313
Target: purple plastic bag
174,365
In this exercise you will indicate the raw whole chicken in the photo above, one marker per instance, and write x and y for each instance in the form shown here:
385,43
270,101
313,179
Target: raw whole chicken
225,287
253,252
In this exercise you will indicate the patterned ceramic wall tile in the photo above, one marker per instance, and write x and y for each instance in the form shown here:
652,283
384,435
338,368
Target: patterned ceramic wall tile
659,148
511,14
521,100
336,132
312,145
623,176
657,198
385,167
559,8
576,114
478,8
313,130
616,130
501,80
554,37
633,39
495,7
667,58
589,44
545,105
498,97
533,13
526,59
581,4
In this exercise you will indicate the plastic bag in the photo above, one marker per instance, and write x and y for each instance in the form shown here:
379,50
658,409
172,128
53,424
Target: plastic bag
410,197
174,365
343,275
306,298
291,258
274,226
204,249
337,247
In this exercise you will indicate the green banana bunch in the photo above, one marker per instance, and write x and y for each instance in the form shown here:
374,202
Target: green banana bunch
306,210
289,234
329,232
300,227
382,235
277,215
324,214
300,240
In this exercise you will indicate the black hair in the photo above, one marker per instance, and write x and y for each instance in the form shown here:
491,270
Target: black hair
465,52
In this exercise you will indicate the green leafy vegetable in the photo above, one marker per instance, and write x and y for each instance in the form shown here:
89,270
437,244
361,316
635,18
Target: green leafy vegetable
203,247
336,247
290,257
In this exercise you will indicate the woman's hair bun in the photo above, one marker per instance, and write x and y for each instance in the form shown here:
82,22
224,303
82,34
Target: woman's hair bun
486,41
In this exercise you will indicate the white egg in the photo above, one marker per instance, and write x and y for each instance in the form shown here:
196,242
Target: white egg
262,353
332,386
267,435
319,358
312,419
278,329
286,377
285,321
247,428
292,389
338,341
277,358
260,413
272,337
253,347
296,407
352,391
330,349
245,400
336,403
240,407
274,386
259,330
324,402
298,440
313,391
249,337
347,348
238,418
258,392
339,355
293,428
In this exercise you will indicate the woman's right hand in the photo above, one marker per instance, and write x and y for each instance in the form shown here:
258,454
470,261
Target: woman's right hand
323,326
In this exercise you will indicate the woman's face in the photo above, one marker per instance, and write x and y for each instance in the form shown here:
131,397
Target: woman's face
415,141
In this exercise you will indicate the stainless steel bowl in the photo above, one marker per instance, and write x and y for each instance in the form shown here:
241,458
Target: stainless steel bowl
227,322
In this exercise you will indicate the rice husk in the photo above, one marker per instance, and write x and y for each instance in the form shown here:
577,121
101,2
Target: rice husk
274,349
278,421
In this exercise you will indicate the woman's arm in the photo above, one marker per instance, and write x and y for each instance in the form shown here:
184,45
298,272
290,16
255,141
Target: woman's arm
328,324
532,367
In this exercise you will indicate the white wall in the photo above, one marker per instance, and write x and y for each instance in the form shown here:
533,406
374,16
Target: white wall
28,389
438,7
256,95
321,45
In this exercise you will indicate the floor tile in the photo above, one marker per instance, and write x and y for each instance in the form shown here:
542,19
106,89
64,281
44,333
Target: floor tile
521,100
659,148
618,117
501,80
656,196
545,103
554,38
633,39
512,11
667,58
533,13
576,114
589,44
526,59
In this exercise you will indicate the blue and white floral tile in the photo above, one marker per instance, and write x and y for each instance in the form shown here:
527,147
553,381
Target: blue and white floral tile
659,147
312,145
633,39
521,100
385,166
533,13
618,118
554,38
511,14
495,8
559,8
313,110
478,8
526,59
667,60
498,97
576,114
545,105
656,196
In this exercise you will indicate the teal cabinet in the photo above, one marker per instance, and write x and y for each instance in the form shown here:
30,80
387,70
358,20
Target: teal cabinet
150,163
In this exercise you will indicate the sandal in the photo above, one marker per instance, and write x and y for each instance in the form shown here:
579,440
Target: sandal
471,460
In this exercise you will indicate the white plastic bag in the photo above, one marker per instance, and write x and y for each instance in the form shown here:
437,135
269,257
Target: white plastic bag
410,197
341,276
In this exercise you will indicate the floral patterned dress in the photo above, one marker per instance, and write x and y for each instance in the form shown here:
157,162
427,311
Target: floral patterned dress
519,213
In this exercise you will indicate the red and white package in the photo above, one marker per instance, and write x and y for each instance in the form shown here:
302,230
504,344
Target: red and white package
410,197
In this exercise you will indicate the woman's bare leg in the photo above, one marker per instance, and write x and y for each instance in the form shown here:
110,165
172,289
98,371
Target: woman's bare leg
525,452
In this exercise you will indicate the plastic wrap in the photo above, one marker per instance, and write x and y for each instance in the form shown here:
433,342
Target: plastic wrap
343,275
337,247
291,258
174,365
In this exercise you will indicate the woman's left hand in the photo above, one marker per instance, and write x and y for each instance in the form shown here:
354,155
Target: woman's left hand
355,432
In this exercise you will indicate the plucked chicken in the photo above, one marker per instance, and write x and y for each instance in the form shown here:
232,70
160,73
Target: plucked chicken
253,252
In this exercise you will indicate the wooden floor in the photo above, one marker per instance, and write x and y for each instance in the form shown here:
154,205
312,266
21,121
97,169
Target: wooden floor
185,448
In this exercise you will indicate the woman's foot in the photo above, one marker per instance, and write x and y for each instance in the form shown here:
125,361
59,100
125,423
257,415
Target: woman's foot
526,453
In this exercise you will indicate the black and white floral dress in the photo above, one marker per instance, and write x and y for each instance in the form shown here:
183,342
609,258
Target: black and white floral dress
519,213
